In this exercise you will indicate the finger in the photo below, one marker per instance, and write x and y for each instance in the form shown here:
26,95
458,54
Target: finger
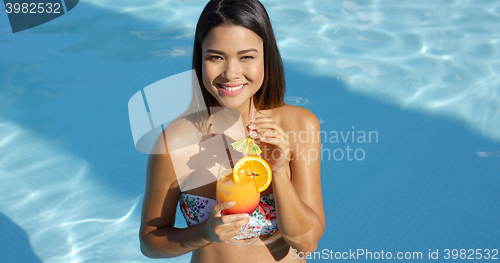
234,218
264,124
229,230
261,119
259,132
222,206
273,137
229,234
232,234
268,126
279,142
271,134
224,227
236,226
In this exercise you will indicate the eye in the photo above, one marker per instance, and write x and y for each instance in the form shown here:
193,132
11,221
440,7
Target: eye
214,58
247,57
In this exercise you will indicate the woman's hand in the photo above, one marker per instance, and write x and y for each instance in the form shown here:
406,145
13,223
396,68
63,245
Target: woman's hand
220,228
273,141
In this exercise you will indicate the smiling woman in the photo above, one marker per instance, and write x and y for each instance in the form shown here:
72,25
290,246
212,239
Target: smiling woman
233,76
238,66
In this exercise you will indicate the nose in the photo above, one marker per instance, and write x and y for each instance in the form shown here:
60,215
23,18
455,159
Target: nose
232,70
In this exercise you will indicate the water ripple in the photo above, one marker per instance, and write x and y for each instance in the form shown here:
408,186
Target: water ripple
440,57
297,101
51,195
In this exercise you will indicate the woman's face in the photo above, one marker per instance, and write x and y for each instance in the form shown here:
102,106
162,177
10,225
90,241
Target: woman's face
233,65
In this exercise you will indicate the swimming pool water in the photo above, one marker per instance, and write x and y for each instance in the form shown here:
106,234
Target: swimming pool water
423,75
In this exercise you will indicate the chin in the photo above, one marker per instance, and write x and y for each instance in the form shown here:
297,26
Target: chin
231,104
235,102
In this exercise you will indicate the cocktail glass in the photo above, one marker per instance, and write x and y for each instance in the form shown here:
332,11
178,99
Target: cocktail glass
245,196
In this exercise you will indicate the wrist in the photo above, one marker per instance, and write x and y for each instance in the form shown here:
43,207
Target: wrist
205,234
281,172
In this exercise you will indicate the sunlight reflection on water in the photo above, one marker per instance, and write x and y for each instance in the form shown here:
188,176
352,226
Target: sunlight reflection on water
68,217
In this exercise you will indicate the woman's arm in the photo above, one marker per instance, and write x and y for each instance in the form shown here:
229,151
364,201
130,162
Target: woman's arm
299,203
158,236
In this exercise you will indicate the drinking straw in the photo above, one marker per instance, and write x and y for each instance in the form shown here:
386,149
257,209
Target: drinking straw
247,145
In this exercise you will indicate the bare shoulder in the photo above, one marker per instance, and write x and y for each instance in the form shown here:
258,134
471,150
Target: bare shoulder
295,118
182,132
178,134
181,126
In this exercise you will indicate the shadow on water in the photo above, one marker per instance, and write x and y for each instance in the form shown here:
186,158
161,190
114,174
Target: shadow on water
423,185
14,244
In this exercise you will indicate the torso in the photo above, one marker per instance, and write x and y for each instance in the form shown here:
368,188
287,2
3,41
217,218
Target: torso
278,114
268,248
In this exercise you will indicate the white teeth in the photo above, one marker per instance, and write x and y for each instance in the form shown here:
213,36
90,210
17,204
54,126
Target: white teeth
232,89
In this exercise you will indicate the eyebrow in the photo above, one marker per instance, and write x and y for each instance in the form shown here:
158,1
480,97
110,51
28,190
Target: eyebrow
239,52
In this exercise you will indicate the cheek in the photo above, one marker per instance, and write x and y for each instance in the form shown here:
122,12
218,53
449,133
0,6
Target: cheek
257,72
207,73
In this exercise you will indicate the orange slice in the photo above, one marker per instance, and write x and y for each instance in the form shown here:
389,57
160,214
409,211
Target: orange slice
253,168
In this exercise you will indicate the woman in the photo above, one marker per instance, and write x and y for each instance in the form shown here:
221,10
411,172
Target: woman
238,65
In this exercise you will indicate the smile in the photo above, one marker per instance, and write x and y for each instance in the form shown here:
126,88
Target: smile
232,89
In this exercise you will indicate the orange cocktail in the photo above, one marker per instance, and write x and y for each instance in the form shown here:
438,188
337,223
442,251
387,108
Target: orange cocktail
242,182
243,193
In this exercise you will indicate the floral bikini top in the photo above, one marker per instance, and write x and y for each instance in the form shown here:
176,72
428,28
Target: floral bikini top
197,209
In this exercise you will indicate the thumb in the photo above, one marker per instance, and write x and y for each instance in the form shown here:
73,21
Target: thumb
221,206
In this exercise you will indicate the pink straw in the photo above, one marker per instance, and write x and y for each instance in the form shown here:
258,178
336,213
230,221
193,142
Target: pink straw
251,117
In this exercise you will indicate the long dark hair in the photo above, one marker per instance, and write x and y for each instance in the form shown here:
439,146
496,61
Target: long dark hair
252,15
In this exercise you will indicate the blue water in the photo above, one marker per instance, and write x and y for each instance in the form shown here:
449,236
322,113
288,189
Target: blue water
422,75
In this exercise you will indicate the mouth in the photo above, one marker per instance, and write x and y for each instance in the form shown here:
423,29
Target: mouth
230,88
